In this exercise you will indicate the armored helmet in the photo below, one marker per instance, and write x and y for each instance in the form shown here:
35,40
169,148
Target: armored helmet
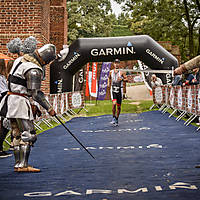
47,53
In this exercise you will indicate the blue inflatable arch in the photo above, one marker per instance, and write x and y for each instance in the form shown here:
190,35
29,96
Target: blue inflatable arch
84,50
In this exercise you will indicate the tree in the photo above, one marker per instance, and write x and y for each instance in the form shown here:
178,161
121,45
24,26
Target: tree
89,18
174,20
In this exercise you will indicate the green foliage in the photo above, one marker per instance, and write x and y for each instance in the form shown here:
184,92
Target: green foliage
177,21
89,19
120,30
166,20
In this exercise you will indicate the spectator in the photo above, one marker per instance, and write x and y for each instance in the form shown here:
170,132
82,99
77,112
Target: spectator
197,74
155,81
191,64
3,91
190,79
177,80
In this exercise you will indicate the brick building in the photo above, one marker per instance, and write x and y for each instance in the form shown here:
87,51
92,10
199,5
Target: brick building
46,20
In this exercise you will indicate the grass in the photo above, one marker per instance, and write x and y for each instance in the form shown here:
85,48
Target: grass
96,108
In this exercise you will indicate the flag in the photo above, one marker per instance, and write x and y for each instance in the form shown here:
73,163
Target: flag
103,80
94,78
87,81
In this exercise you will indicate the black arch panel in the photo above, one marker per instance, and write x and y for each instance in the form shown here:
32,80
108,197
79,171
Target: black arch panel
84,50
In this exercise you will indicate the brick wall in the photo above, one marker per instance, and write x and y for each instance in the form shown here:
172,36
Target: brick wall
58,23
46,20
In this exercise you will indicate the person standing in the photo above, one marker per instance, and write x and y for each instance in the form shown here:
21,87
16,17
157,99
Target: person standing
3,91
24,81
155,81
115,82
191,64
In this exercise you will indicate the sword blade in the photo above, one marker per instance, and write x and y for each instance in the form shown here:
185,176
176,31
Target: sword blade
74,136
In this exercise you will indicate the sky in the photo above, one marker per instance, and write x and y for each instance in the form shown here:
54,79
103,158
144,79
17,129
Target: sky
115,7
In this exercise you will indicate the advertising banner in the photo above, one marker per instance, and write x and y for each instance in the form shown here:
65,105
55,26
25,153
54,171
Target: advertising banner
94,78
103,80
79,80
106,49
92,94
87,81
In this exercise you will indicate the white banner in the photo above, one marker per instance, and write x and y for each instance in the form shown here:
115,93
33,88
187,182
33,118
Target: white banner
90,83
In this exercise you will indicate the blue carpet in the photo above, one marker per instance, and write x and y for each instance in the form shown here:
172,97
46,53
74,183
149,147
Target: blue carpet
148,157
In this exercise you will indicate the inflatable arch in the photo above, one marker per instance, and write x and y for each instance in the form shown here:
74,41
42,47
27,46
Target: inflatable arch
106,49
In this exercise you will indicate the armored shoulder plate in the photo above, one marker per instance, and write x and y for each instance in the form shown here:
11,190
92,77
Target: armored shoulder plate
34,79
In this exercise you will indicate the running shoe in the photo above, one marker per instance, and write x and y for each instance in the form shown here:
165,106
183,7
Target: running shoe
116,122
113,121
3,154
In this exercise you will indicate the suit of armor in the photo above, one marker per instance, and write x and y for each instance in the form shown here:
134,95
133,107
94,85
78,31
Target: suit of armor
24,82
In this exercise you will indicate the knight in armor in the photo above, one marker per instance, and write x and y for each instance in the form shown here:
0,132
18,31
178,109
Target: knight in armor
115,82
24,81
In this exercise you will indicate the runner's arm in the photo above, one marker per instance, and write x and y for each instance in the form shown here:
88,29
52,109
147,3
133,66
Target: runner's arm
109,80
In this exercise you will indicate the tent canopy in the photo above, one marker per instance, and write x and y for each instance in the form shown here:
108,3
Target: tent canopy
5,57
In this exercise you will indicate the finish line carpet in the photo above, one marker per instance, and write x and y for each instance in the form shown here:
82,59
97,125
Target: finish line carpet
149,156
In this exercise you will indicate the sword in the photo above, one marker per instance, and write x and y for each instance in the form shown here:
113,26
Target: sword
74,136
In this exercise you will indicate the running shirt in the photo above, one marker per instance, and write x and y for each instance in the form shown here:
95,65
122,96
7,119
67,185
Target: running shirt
116,87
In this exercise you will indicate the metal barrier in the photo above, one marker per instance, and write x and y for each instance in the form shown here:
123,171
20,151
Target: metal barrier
183,100
63,104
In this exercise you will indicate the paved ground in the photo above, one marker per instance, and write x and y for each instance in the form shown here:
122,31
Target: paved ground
139,92
148,157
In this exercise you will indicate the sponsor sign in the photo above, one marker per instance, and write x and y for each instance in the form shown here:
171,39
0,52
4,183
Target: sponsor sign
171,97
76,99
103,80
180,98
158,95
94,78
189,100
156,57
113,51
72,60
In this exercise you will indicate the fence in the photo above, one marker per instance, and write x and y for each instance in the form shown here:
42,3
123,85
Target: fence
183,100
63,103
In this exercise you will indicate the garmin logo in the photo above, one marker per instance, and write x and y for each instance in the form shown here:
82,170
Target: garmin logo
113,51
160,60
72,60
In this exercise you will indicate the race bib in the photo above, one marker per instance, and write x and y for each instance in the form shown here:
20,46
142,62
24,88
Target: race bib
115,89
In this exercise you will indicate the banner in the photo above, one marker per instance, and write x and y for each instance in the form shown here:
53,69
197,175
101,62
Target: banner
62,103
87,81
79,80
90,85
103,80
94,78
55,103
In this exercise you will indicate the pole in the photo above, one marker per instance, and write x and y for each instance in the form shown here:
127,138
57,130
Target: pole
161,71
74,136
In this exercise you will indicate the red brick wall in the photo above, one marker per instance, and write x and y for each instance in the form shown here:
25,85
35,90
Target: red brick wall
21,18
46,20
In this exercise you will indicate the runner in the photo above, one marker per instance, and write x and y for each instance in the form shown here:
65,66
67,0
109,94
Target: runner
116,78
